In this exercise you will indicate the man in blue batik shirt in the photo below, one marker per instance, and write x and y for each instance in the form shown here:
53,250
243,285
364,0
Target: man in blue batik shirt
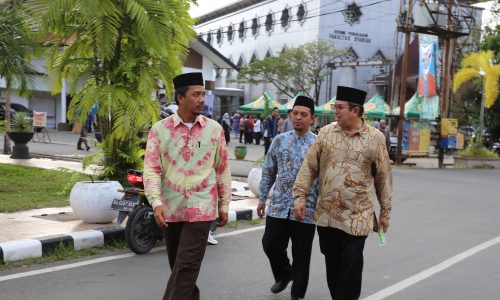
281,165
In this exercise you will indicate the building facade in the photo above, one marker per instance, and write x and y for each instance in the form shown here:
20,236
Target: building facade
253,29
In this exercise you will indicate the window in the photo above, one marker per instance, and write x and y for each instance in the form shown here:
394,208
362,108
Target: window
241,62
230,33
285,18
269,22
219,36
301,13
241,30
209,38
268,53
255,26
254,58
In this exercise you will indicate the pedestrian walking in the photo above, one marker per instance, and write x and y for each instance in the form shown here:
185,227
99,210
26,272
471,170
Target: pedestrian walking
281,166
226,126
350,158
271,129
287,123
179,146
257,130
243,120
86,129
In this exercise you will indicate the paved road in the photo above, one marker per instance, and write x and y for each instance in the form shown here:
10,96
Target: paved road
437,215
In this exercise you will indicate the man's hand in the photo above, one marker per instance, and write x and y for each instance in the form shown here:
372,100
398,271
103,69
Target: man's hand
261,210
299,211
383,224
160,220
223,217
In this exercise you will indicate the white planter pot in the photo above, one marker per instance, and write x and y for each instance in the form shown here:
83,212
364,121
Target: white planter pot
254,178
91,201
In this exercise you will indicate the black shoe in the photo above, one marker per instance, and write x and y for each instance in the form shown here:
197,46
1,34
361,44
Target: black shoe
295,298
79,148
280,285
88,148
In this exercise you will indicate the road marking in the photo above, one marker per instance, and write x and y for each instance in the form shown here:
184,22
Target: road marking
393,289
107,258
239,231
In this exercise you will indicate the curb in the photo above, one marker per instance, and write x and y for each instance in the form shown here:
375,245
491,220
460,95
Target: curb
38,247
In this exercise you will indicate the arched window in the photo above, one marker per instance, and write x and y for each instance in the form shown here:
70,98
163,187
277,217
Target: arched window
241,30
219,36
269,22
301,13
254,58
255,26
209,38
241,62
285,17
230,33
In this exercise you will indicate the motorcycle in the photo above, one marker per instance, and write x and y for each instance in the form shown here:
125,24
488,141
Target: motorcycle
496,147
141,230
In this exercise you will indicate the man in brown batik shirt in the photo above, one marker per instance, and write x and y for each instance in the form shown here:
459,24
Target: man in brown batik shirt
351,160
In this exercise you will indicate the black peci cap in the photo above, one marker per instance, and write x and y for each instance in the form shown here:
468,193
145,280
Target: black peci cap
349,94
304,101
188,79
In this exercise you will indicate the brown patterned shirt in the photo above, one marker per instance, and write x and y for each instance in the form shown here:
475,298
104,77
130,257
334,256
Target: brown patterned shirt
354,171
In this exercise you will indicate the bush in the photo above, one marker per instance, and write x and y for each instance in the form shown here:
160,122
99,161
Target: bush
475,150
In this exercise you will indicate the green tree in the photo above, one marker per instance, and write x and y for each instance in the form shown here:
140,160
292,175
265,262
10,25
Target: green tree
117,51
300,69
477,65
16,49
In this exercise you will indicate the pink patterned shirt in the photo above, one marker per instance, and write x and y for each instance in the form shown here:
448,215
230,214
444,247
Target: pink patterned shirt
187,170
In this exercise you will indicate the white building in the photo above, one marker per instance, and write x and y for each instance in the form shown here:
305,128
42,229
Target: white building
253,29
202,58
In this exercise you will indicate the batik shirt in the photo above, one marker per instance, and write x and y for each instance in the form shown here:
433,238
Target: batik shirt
281,166
187,170
354,171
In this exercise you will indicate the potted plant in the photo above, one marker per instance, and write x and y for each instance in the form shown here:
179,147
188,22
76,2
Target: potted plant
240,152
476,156
21,132
91,200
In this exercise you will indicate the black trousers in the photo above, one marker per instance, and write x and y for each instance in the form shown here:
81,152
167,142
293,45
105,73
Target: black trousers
344,262
275,243
267,144
186,243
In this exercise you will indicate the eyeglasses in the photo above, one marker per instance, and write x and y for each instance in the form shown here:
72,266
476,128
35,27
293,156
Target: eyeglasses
341,107
302,114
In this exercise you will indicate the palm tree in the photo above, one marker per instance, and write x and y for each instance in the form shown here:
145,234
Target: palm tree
475,65
16,48
120,50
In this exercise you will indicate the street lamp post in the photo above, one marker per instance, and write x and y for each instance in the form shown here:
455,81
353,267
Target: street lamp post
481,112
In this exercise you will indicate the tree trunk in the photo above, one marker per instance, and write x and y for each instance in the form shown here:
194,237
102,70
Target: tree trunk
6,142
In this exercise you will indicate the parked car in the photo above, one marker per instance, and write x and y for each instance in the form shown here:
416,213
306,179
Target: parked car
14,108
168,109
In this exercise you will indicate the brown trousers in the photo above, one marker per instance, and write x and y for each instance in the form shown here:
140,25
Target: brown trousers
186,243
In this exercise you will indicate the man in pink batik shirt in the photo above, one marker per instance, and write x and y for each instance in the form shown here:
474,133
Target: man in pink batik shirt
188,182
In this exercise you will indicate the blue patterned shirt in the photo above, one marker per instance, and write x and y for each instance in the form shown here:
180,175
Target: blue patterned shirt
282,163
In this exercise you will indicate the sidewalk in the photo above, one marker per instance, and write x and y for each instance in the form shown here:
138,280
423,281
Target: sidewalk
34,232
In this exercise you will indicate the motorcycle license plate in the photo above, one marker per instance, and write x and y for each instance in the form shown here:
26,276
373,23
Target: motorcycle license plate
124,204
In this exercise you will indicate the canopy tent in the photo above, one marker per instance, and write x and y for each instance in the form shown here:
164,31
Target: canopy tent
326,109
259,105
413,108
289,105
376,107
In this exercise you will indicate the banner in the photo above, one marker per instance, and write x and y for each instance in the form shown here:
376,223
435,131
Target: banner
427,50
39,119
430,107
